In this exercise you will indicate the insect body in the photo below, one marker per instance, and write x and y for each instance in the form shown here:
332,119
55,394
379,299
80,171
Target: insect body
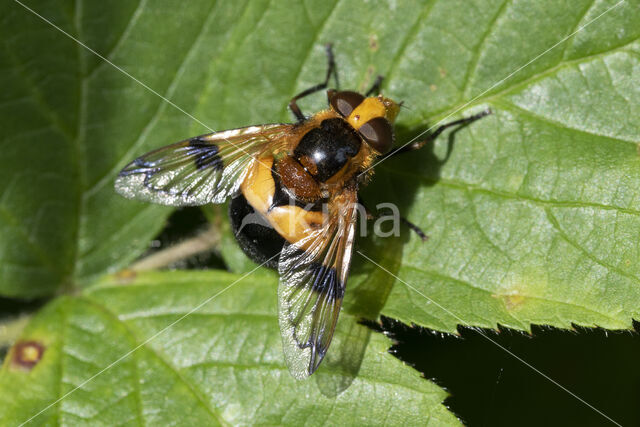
294,190
318,170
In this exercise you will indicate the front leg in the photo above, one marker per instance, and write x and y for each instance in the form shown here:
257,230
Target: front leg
419,144
403,220
331,69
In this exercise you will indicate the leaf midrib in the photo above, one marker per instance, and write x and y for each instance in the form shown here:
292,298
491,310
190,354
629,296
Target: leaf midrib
134,337
161,106
475,188
222,364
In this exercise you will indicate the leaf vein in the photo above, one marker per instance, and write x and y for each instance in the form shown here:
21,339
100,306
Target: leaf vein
506,105
123,36
477,288
37,250
152,121
309,50
196,393
556,224
575,27
411,34
508,90
464,186
473,66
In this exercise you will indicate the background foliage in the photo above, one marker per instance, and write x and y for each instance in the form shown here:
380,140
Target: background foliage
532,212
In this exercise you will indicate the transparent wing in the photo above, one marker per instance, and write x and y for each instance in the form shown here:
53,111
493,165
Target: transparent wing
313,274
201,170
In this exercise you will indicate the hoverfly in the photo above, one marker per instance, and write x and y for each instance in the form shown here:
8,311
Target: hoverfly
309,170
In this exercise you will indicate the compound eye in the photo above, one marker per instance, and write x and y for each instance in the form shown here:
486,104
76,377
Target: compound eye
345,102
378,133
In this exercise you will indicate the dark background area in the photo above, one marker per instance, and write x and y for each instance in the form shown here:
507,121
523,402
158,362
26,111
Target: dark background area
487,385
490,387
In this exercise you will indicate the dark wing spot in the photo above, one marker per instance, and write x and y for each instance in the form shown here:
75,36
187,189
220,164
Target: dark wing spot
326,281
139,165
329,289
205,154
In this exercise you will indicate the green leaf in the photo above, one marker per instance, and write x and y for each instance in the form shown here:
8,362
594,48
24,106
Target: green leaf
557,159
532,218
221,364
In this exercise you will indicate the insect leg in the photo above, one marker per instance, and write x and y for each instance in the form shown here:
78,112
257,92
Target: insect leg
414,228
331,69
419,144
405,221
375,88
366,209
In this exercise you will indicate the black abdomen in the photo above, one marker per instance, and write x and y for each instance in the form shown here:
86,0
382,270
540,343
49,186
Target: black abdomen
255,236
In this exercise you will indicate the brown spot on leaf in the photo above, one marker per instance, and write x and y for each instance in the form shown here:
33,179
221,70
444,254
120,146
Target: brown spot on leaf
433,88
27,354
373,43
443,72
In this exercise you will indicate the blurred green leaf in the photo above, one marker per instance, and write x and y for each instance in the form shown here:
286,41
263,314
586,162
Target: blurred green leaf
221,364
